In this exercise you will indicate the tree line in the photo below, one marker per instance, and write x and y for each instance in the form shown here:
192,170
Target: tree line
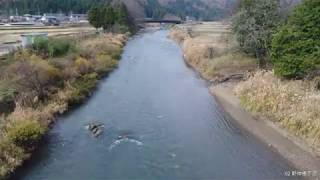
290,43
152,8
47,6
111,18
182,8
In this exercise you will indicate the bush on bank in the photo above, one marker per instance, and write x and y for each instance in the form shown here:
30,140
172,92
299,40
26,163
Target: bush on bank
51,47
290,101
25,134
46,79
293,48
296,47
254,26
82,87
11,156
7,92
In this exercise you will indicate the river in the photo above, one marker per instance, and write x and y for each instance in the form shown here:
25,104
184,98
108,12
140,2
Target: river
173,127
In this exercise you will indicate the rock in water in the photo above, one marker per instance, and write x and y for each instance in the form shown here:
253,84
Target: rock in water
95,128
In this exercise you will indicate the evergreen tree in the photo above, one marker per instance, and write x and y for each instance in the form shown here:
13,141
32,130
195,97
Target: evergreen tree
122,15
109,17
94,17
296,47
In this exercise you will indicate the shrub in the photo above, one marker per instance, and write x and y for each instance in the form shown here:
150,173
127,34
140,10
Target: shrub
105,63
51,47
296,47
34,75
254,25
82,65
82,87
41,45
25,134
7,93
59,47
34,78
114,51
11,156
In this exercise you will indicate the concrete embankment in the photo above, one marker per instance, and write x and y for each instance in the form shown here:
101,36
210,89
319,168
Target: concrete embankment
210,49
290,147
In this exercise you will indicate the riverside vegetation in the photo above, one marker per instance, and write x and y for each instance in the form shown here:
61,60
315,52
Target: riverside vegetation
278,55
210,49
42,81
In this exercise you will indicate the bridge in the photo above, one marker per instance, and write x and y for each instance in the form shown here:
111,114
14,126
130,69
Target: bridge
168,21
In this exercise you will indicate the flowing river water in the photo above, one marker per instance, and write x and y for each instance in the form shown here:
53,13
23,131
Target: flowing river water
171,127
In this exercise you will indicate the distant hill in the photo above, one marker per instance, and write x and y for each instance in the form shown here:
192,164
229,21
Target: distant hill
47,6
136,7
198,9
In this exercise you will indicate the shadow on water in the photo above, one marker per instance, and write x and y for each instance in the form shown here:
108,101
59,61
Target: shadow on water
41,153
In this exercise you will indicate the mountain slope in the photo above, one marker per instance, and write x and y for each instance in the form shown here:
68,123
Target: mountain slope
199,9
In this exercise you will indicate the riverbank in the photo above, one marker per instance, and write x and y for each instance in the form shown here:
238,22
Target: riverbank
158,117
292,148
39,83
211,50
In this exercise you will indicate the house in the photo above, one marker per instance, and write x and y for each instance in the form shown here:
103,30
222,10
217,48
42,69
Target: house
59,16
50,20
78,17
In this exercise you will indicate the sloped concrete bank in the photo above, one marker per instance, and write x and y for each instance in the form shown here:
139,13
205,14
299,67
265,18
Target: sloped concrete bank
291,148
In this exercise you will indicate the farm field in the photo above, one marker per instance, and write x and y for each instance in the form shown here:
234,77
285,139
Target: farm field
207,32
10,37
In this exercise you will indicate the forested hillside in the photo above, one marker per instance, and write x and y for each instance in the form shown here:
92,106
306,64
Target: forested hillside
198,9
43,6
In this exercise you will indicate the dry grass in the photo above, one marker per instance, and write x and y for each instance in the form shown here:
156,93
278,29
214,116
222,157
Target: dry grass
233,62
13,35
10,37
95,46
80,70
292,104
212,50
178,34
